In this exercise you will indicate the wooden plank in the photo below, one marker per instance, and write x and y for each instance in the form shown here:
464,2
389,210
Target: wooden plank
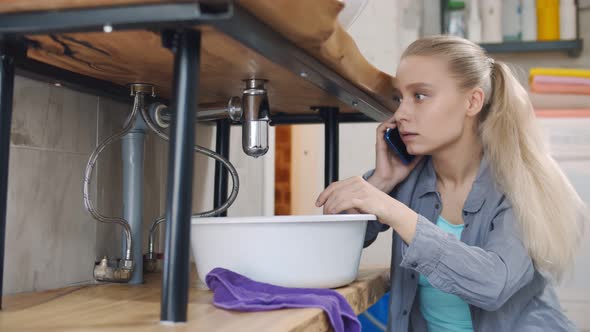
137,56
132,56
15,6
115,307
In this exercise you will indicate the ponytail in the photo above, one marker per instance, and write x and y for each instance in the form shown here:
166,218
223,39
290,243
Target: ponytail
549,211
543,199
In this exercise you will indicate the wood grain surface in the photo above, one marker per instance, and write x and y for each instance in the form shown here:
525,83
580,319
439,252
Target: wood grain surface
137,56
114,307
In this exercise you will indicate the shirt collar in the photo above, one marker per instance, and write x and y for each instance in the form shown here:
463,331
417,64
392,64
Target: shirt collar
477,195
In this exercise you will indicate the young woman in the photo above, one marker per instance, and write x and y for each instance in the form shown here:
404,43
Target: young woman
484,220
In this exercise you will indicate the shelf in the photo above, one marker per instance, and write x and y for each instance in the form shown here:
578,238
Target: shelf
128,308
572,47
304,66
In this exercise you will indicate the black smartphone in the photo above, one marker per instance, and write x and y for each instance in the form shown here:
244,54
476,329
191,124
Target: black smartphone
394,140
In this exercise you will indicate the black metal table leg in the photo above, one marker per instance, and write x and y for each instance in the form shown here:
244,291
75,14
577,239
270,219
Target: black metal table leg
331,124
6,92
221,174
186,46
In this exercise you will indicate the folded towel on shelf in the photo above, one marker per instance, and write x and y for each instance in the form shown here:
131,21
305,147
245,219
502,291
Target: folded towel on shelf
575,89
233,291
563,113
567,80
568,72
559,101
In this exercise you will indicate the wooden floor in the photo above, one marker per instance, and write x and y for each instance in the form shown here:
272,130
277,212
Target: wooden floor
113,307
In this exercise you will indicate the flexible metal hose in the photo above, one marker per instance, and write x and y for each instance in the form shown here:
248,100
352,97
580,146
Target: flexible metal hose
208,153
199,149
137,104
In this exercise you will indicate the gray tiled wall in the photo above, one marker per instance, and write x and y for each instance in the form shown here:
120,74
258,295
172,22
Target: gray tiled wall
51,240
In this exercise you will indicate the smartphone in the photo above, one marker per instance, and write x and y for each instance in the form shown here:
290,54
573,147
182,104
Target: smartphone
394,140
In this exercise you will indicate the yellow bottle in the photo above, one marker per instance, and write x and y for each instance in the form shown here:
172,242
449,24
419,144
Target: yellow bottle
548,19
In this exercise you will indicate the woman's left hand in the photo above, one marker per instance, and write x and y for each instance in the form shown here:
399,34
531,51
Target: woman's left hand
355,195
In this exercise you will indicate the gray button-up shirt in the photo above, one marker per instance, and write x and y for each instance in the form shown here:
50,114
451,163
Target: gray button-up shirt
489,268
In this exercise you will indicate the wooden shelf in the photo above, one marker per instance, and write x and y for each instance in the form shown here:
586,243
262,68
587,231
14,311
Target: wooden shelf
121,307
572,47
309,61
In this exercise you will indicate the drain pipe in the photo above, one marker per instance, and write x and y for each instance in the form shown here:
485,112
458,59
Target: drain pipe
133,144
132,154
119,270
207,112
252,109
256,118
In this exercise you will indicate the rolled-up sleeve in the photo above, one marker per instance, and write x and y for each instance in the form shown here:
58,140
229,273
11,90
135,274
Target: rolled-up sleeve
374,227
485,277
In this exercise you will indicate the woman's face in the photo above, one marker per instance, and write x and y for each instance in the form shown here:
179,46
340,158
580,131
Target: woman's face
434,112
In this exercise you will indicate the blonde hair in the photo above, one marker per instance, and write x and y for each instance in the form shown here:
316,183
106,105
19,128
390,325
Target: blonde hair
549,211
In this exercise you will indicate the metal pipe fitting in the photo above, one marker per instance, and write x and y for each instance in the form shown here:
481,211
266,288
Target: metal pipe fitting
106,272
211,112
142,88
103,271
162,114
252,109
150,259
256,117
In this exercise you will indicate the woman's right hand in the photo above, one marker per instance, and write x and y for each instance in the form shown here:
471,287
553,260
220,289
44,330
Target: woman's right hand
389,169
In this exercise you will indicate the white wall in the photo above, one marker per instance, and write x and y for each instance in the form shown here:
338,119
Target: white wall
307,168
570,145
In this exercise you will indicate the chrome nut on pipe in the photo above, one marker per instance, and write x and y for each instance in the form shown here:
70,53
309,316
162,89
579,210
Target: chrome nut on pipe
144,88
234,109
126,264
105,272
122,275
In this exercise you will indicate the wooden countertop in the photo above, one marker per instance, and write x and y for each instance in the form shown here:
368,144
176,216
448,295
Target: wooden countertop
128,56
115,307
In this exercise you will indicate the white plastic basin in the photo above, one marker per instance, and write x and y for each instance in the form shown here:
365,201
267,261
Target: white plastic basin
321,251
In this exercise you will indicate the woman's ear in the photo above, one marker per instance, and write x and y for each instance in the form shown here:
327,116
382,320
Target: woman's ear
475,101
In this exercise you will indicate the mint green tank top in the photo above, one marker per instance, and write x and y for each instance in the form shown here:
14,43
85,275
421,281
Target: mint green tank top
443,311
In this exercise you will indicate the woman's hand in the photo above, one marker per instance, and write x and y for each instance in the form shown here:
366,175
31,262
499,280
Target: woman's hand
389,169
355,195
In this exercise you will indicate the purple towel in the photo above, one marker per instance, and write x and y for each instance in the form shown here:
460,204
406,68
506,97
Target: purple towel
235,292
